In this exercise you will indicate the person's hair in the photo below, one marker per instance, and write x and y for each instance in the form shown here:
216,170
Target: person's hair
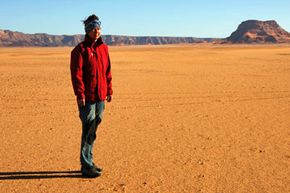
90,18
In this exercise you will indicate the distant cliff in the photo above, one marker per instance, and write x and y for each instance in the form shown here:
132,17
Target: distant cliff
255,31
12,38
250,31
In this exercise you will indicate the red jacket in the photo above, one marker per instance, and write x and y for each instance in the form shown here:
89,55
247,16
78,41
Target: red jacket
91,70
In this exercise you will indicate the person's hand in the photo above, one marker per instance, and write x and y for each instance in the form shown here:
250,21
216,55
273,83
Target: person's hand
81,102
109,98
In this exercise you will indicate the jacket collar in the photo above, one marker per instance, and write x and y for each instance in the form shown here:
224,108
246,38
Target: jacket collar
92,43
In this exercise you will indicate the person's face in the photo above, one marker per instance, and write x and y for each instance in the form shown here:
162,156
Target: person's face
95,33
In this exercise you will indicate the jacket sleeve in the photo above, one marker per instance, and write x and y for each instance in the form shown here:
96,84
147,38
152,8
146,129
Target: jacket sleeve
76,64
109,78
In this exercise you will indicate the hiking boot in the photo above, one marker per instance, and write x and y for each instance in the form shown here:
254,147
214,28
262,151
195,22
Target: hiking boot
97,168
90,172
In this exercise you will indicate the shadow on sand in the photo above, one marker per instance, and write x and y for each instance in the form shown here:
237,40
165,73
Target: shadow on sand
39,175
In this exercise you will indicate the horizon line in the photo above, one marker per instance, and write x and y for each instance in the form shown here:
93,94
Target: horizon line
173,36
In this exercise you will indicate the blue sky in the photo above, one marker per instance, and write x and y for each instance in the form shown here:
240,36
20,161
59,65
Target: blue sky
197,18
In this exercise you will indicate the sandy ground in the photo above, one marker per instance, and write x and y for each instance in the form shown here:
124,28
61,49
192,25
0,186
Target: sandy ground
195,119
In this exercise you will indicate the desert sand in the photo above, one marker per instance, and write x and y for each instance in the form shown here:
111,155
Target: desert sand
184,118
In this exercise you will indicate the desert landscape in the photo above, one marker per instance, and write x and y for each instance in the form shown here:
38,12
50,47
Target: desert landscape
200,118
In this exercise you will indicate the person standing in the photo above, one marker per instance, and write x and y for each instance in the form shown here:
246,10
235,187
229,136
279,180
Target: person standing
92,83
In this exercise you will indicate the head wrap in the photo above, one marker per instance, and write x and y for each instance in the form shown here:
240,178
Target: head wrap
92,25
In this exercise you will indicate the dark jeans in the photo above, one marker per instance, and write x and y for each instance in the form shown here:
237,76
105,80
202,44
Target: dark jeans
91,117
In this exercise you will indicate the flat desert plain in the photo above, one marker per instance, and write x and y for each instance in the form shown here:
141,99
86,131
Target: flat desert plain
184,118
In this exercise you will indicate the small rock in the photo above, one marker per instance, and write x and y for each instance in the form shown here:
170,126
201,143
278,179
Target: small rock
200,162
